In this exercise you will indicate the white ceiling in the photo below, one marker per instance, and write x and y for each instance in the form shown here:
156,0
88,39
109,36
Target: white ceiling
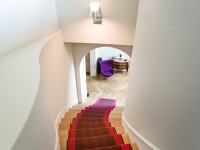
119,19
23,22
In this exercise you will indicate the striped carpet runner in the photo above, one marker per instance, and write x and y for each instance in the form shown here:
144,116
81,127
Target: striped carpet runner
92,130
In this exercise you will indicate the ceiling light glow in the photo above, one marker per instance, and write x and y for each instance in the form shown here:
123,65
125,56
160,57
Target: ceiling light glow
94,6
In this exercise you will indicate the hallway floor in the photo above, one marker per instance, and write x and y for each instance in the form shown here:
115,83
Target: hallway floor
113,88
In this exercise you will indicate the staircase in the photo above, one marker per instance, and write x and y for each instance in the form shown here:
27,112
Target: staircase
115,118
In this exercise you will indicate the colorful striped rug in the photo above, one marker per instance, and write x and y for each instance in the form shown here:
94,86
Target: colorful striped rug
91,129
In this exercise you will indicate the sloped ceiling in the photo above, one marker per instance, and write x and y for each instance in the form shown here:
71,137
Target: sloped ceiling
23,22
119,20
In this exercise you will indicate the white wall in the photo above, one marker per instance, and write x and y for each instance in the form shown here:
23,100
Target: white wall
83,79
23,22
57,91
28,114
19,78
119,19
93,62
107,52
162,104
87,59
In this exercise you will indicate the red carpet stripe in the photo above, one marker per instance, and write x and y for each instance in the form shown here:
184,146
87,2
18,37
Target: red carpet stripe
77,133
118,139
116,147
92,130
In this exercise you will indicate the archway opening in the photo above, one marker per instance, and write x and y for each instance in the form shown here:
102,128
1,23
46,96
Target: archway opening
93,83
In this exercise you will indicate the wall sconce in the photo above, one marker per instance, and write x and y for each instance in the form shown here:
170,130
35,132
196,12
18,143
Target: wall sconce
95,12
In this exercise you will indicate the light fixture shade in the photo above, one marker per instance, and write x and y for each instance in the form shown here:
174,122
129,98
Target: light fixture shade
94,6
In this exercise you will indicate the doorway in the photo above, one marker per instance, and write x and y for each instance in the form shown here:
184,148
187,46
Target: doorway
94,85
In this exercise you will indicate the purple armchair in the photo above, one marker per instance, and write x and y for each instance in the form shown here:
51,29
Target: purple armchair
106,68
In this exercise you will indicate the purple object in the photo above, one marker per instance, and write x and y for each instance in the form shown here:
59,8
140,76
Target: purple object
106,68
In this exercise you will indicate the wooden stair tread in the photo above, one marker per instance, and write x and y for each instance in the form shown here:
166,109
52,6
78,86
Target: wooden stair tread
134,146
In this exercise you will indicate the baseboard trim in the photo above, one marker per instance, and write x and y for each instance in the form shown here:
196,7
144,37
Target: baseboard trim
143,142
58,119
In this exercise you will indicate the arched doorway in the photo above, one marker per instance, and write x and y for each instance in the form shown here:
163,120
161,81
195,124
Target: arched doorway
79,52
105,53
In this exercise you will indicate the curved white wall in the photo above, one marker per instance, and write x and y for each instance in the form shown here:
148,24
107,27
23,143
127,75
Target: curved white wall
57,91
163,103
19,80
28,120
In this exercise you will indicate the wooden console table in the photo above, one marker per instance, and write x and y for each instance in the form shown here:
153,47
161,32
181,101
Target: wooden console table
120,64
